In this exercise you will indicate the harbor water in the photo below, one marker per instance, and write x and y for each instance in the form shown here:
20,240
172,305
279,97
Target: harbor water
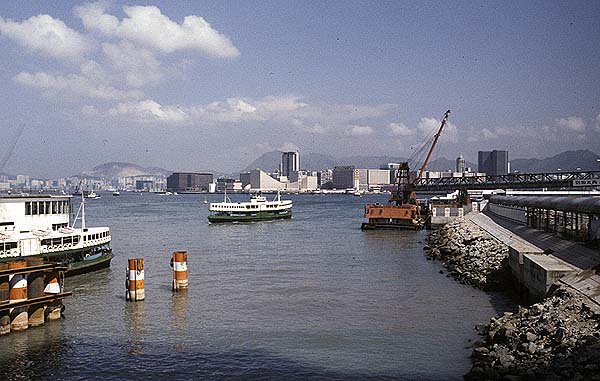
313,297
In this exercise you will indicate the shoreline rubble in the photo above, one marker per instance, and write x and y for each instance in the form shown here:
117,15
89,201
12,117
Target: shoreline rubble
470,254
555,339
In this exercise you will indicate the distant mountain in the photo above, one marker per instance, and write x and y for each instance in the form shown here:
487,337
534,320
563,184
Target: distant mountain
567,161
117,169
268,161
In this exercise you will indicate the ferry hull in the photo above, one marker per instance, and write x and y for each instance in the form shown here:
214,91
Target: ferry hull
86,266
408,225
218,218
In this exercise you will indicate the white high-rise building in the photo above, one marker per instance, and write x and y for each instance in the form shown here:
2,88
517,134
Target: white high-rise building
460,164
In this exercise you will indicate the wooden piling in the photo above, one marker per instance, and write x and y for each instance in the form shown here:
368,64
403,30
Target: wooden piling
135,280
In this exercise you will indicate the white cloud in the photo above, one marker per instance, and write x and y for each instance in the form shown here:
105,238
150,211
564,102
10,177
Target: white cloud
431,125
574,126
428,125
236,110
88,110
400,129
47,35
287,147
359,130
148,111
73,85
287,111
488,134
146,25
571,123
317,129
139,66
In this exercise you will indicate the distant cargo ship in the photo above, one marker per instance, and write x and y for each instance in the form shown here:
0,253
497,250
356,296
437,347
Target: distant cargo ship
257,209
39,226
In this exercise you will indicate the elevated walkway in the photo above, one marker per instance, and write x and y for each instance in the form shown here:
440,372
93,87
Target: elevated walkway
538,259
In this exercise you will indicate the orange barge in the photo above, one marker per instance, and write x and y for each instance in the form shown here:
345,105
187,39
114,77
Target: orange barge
402,211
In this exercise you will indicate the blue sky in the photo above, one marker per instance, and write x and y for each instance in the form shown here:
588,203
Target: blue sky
212,85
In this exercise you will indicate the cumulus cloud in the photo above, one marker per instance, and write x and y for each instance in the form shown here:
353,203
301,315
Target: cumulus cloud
148,111
400,129
287,147
359,130
47,35
73,85
147,26
574,126
139,66
571,123
236,110
88,110
317,129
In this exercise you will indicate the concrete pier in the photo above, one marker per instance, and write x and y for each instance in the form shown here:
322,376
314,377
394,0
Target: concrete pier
538,259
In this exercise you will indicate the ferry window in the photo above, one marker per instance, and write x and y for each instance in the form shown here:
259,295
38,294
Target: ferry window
54,207
56,241
67,240
10,245
48,209
41,208
75,240
46,242
34,208
28,208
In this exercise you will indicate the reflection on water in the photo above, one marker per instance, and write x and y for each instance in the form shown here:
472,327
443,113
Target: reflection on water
311,297
179,315
135,319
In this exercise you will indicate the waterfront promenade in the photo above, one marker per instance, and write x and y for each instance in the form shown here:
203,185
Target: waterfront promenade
539,259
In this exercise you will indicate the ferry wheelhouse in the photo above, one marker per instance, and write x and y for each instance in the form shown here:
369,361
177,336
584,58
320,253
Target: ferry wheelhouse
257,209
40,226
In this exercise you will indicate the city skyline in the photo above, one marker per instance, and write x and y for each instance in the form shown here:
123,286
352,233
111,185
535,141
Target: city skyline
215,85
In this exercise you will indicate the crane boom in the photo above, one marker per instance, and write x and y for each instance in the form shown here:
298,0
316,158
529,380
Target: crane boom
435,140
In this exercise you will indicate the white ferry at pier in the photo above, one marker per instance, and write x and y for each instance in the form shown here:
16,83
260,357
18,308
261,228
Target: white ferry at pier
257,209
40,226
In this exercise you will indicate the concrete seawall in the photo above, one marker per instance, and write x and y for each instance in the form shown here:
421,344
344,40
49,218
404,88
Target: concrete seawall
556,338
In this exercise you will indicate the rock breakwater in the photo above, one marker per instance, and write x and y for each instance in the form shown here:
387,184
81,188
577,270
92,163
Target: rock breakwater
470,254
557,339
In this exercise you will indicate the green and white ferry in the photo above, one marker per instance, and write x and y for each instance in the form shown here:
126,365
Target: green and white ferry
257,209
39,226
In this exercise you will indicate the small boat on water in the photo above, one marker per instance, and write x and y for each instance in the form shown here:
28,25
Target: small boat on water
257,209
116,193
93,195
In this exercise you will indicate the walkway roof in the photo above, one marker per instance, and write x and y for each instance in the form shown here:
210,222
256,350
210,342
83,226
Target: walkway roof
589,205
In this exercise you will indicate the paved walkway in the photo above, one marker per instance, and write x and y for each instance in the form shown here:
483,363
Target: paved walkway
570,252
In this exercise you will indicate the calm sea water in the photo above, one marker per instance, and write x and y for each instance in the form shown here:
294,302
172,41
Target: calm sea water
309,298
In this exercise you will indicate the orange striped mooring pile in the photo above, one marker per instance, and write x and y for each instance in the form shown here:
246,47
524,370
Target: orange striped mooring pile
180,271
